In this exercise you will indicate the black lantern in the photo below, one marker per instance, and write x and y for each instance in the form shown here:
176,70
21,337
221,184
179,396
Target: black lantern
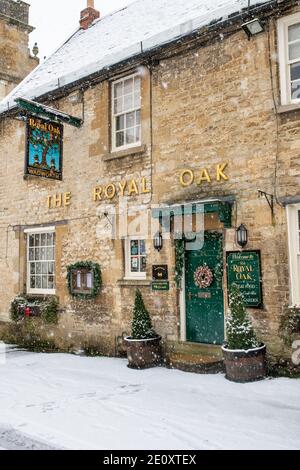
242,235
158,241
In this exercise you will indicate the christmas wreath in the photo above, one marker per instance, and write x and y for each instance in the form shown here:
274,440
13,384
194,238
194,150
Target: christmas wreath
203,277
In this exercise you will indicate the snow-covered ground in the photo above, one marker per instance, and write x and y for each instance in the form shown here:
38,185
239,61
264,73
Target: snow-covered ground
71,402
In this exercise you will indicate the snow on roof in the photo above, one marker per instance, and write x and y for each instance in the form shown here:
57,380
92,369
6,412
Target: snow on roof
141,26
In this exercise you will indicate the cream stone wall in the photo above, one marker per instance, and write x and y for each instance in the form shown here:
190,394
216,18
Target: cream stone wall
210,106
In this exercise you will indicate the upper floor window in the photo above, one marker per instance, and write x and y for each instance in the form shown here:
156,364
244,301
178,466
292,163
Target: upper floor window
293,213
126,113
41,261
289,58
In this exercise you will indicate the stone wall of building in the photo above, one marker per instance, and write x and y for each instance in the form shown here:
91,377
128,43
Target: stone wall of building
211,106
15,59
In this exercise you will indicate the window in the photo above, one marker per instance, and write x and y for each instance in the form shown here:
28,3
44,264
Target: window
41,262
126,104
289,58
293,213
136,258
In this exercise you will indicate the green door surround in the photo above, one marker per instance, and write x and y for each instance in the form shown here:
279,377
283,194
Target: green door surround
223,208
204,307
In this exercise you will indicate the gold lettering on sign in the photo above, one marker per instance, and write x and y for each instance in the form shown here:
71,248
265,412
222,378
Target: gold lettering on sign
67,199
110,191
122,189
203,175
133,189
122,186
97,193
220,172
145,190
59,200
36,123
187,178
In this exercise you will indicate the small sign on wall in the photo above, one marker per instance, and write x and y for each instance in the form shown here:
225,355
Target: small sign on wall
160,272
160,286
244,270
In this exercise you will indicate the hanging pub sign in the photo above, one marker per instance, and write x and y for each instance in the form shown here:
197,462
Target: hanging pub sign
44,148
244,270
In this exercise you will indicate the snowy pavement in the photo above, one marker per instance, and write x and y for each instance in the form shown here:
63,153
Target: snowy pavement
70,402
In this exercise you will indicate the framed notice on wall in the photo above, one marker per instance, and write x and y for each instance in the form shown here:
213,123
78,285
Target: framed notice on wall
44,149
244,270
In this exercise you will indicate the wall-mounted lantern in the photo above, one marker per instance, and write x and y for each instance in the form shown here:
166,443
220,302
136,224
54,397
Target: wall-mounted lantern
242,236
158,241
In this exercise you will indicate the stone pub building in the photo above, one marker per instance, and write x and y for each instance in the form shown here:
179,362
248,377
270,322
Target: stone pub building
163,115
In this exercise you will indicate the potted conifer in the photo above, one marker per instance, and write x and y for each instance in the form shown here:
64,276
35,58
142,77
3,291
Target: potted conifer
143,346
244,356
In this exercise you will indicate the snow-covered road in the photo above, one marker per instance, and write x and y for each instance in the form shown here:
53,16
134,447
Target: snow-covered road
71,402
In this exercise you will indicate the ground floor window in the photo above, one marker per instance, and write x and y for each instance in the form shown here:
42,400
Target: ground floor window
293,215
41,261
135,258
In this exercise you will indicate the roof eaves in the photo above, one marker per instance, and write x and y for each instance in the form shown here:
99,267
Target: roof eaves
272,7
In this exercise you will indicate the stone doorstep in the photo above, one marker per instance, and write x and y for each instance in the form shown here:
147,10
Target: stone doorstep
194,357
188,364
194,349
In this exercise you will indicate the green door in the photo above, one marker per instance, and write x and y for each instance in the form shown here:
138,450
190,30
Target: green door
204,291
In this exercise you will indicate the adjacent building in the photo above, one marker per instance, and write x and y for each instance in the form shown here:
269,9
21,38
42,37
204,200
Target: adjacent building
15,59
161,119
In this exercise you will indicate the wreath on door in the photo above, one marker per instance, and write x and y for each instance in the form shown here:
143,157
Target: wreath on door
203,277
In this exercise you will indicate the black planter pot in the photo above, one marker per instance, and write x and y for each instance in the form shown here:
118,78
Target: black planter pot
245,366
145,353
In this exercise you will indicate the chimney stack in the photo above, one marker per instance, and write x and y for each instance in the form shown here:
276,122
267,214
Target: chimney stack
88,15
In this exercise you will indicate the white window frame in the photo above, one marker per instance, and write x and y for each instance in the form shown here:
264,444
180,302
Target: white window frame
284,66
113,115
29,232
294,252
128,273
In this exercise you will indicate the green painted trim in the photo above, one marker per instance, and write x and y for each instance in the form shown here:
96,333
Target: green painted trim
46,112
224,209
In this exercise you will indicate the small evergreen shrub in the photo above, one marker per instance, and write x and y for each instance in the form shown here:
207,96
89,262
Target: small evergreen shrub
141,323
49,311
240,332
16,304
290,325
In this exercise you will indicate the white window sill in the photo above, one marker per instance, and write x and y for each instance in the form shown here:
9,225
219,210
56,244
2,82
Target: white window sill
41,292
288,108
127,152
134,282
